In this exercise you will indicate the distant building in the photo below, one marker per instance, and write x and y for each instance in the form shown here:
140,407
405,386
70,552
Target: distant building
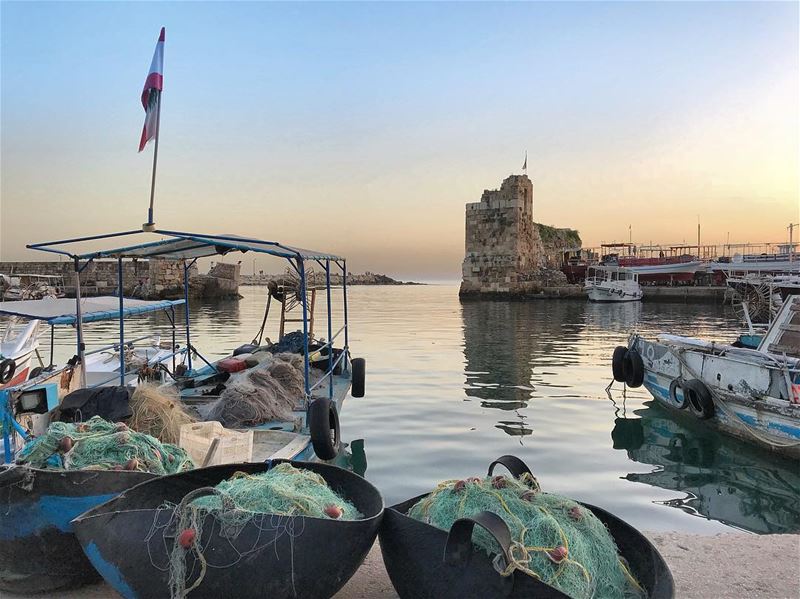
506,251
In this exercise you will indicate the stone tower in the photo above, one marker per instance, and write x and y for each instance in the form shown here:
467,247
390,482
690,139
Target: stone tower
503,246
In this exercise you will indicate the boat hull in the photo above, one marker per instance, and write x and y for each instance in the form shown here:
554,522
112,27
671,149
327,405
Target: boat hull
755,401
38,550
597,293
129,540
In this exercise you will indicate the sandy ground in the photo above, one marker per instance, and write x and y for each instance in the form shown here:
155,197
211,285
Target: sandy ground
725,566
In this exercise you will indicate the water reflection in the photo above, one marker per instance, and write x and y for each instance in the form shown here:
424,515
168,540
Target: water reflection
718,478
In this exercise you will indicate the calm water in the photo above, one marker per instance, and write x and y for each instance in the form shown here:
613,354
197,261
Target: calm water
451,386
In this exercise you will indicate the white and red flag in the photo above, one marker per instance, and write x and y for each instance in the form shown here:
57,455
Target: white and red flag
151,94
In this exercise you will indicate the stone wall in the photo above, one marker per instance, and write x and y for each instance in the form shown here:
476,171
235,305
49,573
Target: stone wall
505,250
150,279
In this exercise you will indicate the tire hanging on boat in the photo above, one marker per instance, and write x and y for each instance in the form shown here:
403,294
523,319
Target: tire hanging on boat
323,423
699,399
634,369
358,368
673,393
618,363
7,369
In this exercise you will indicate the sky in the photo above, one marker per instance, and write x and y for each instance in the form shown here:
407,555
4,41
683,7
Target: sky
363,128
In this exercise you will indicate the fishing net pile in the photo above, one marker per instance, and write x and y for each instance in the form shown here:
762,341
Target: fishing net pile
242,499
101,445
157,411
265,393
554,538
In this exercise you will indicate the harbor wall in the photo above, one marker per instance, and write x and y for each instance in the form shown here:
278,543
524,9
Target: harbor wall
147,279
506,252
678,294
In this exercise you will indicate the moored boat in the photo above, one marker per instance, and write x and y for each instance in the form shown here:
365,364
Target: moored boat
753,394
307,426
612,284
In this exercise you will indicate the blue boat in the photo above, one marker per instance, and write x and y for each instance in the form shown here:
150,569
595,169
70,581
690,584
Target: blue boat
37,534
753,394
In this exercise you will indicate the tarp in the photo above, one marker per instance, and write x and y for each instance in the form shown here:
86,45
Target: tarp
181,246
64,310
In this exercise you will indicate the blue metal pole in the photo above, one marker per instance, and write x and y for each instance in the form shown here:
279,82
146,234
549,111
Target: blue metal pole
344,295
79,323
186,308
121,323
302,269
4,417
330,329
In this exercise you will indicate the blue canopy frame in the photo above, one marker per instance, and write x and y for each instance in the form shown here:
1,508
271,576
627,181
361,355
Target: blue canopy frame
188,247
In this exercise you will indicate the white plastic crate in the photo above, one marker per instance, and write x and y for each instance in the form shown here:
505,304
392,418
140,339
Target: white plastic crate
233,446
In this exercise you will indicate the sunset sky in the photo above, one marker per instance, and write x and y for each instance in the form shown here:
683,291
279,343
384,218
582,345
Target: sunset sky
363,129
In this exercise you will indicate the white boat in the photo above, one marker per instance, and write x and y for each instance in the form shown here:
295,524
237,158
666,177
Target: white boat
671,268
753,394
23,286
612,284
18,345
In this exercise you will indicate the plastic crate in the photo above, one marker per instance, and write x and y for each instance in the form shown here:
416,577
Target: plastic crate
233,447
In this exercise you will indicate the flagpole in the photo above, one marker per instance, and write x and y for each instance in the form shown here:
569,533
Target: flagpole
150,225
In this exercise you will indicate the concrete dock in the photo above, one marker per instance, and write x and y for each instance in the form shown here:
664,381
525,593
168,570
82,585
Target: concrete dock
683,294
728,566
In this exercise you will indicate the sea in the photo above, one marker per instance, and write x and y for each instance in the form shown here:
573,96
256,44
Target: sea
453,385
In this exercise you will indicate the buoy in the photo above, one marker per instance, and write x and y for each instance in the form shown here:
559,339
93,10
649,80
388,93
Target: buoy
333,511
186,538
557,555
499,482
65,444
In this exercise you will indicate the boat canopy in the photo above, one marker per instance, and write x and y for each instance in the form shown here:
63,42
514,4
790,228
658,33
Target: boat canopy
177,245
63,311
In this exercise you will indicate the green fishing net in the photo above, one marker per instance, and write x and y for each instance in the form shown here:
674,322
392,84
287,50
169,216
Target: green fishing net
100,445
242,499
283,490
554,538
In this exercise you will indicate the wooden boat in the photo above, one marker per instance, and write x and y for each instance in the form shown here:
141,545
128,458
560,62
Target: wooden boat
751,394
311,432
612,284
19,343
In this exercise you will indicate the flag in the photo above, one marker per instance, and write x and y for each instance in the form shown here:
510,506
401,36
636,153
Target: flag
525,164
151,94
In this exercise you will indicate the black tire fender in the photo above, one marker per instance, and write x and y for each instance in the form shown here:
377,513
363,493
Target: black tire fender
698,399
35,372
618,363
358,367
7,369
323,423
673,393
633,365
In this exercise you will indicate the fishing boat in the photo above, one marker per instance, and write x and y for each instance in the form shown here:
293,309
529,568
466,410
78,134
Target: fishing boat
18,345
753,394
37,531
612,284
24,286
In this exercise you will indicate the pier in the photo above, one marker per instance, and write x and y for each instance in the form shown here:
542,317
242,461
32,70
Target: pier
684,294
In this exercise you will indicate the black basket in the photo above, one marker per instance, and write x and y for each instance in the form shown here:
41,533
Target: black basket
425,562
